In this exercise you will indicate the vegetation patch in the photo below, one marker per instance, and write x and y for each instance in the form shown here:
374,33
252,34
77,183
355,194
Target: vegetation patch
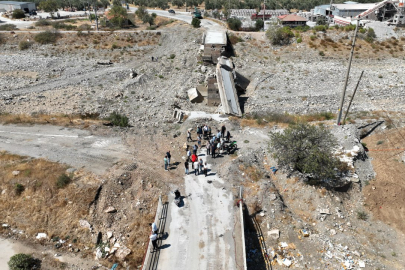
196,23
63,180
280,35
18,14
23,261
47,37
119,120
24,45
307,149
8,27
234,38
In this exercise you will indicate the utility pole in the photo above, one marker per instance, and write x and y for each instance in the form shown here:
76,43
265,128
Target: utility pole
351,99
95,13
347,75
264,9
330,12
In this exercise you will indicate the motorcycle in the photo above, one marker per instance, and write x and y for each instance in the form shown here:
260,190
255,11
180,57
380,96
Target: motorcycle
231,147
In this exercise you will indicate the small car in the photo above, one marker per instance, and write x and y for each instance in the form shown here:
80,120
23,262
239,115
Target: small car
172,11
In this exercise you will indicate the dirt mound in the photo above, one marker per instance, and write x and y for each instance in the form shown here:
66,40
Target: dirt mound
385,195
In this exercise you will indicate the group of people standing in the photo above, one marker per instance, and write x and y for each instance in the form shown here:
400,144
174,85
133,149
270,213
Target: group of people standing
214,142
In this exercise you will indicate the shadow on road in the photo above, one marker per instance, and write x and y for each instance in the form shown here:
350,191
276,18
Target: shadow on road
164,246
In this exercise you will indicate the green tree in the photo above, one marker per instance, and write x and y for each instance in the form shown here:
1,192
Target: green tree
48,6
118,15
370,35
18,14
196,23
117,3
279,35
22,261
321,20
307,149
141,12
178,3
234,24
105,3
259,24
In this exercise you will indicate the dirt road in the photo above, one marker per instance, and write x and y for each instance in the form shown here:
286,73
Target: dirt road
77,148
201,232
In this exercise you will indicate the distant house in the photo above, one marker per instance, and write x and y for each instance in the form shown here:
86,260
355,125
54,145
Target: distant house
292,20
380,11
12,5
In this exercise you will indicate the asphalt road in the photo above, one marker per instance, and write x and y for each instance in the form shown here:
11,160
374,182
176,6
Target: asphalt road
182,16
74,147
201,232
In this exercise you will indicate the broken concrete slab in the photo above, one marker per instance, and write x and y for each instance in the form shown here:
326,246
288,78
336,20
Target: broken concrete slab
275,234
84,224
122,253
194,95
324,211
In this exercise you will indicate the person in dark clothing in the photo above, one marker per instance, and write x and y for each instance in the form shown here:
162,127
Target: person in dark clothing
213,150
205,169
186,166
189,136
168,157
223,129
195,147
228,136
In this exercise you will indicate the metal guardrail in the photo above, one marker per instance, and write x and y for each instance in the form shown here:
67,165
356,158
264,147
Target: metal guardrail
242,224
146,259
262,244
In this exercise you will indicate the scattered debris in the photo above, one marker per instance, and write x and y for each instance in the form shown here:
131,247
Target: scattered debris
110,209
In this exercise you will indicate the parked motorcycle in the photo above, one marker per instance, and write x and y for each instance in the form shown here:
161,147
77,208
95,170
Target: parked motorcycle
231,147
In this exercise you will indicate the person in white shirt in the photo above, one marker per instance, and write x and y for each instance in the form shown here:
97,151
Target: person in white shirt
153,238
196,167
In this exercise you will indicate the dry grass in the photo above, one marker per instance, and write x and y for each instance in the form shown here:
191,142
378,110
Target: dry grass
139,237
252,172
59,120
42,207
270,119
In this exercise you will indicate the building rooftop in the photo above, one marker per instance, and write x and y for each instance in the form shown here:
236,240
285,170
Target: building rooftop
293,18
215,37
14,2
355,6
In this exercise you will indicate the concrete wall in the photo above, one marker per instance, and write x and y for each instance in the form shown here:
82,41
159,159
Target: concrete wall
213,98
212,52
11,7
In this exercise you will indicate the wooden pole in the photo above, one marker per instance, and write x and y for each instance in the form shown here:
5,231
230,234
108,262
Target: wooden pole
347,75
350,103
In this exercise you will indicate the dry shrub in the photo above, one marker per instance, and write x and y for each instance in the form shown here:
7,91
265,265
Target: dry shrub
252,172
139,237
